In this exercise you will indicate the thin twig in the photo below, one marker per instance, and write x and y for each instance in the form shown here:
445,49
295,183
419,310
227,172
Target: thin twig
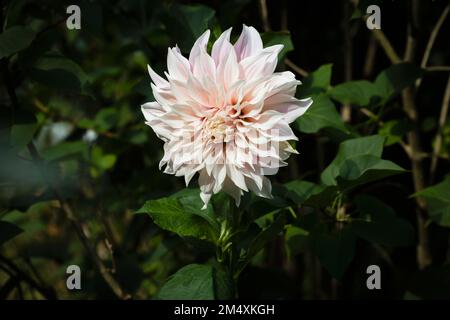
266,26
264,15
432,39
46,292
296,68
110,241
370,57
346,111
385,44
438,68
442,120
33,269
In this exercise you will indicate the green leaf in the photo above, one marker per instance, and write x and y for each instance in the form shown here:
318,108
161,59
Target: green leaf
190,200
56,79
316,82
379,224
334,249
394,130
185,23
223,283
438,201
307,193
8,231
51,62
267,234
59,72
321,114
101,160
359,92
106,119
388,83
397,77
64,150
296,240
371,145
23,129
260,240
365,168
192,282
197,17
271,38
359,161
15,39
178,214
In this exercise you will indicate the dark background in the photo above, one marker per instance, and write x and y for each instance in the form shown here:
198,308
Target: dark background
99,87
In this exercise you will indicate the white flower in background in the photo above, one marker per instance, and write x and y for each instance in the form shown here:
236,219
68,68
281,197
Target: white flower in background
226,114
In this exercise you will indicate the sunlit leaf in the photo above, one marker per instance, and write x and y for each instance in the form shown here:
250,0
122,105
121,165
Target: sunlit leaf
192,282
321,114
358,92
359,161
178,215
438,201
394,79
316,82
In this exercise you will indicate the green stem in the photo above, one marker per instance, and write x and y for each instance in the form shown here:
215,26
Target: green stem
225,251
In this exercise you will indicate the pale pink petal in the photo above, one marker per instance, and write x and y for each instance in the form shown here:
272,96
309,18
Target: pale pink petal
157,80
177,65
204,66
248,44
199,46
261,64
221,47
291,107
228,72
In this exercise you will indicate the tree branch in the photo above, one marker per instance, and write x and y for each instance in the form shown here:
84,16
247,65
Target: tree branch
46,292
346,111
438,68
263,12
386,45
442,120
370,57
433,36
296,68
424,258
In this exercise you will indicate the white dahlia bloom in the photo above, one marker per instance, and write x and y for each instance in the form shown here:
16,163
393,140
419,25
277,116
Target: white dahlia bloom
225,115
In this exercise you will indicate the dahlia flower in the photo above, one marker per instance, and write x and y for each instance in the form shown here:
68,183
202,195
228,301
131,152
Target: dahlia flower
225,115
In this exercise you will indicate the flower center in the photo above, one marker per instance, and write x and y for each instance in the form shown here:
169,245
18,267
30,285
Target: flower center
219,129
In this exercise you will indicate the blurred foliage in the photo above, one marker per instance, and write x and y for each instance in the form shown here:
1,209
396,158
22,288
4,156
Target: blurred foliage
72,134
